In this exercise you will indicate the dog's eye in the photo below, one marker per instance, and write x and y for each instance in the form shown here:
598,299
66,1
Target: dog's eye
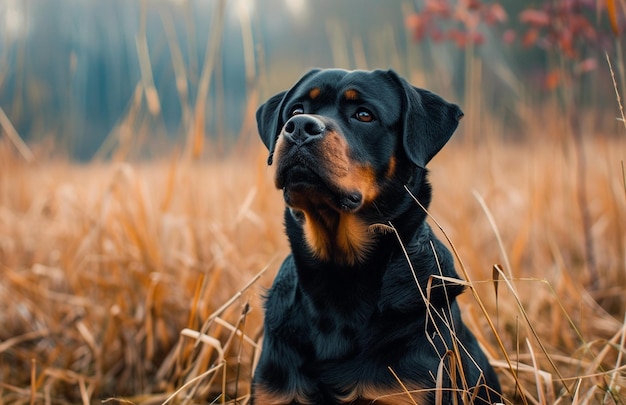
364,115
296,109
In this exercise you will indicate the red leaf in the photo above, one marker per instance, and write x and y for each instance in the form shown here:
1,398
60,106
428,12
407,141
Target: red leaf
530,37
588,65
413,21
473,4
535,18
498,13
478,38
439,7
552,80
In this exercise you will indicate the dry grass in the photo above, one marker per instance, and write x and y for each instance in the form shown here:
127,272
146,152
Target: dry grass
104,265
117,278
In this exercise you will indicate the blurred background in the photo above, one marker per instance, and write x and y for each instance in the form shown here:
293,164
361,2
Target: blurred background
91,75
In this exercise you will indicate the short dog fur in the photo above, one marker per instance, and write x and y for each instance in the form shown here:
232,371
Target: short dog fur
363,310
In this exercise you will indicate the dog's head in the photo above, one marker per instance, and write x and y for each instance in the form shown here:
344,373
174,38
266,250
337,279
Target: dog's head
340,139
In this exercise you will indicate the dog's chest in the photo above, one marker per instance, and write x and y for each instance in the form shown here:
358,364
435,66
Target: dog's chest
337,339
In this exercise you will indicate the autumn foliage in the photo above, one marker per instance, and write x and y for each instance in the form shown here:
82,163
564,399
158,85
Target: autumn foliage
577,30
443,20
563,25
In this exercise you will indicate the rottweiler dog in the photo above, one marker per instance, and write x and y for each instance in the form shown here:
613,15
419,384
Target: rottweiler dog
363,310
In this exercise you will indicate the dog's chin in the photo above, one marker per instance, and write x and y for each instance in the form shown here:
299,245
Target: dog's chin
307,197
305,190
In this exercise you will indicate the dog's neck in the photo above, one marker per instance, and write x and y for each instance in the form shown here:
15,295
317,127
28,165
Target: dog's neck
348,240
341,238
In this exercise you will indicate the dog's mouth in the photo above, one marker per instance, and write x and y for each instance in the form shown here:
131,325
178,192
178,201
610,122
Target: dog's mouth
308,182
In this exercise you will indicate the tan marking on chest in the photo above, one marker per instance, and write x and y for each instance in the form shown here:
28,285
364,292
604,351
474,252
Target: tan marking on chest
347,240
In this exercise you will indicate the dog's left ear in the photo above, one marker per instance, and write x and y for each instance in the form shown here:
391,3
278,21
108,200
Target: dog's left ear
429,122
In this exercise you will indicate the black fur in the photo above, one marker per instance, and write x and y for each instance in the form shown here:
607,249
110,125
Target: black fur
339,318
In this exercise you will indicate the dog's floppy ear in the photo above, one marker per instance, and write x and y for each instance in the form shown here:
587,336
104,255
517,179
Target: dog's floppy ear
429,122
269,117
269,122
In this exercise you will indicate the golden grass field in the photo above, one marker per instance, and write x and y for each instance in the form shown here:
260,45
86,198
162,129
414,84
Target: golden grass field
137,282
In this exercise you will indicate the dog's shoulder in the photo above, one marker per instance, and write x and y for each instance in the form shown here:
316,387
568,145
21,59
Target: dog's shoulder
410,281
282,294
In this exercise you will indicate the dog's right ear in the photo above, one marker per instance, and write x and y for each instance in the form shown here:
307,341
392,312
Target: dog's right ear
269,122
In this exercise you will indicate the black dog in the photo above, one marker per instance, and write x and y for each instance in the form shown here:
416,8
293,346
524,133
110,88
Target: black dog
363,310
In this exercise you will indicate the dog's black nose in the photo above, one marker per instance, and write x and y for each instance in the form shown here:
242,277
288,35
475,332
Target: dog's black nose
303,128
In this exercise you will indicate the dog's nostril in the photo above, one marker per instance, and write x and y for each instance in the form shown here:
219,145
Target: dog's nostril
289,127
313,128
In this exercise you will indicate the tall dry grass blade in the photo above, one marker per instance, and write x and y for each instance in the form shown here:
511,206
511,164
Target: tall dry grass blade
617,95
441,369
495,277
236,330
254,78
624,177
84,391
538,382
149,319
145,65
496,231
195,301
89,338
195,138
194,380
620,355
15,138
33,381
234,298
123,134
119,401
207,357
621,66
170,183
249,57
242,336
518,388
209,345
404,388
17,340
180,72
